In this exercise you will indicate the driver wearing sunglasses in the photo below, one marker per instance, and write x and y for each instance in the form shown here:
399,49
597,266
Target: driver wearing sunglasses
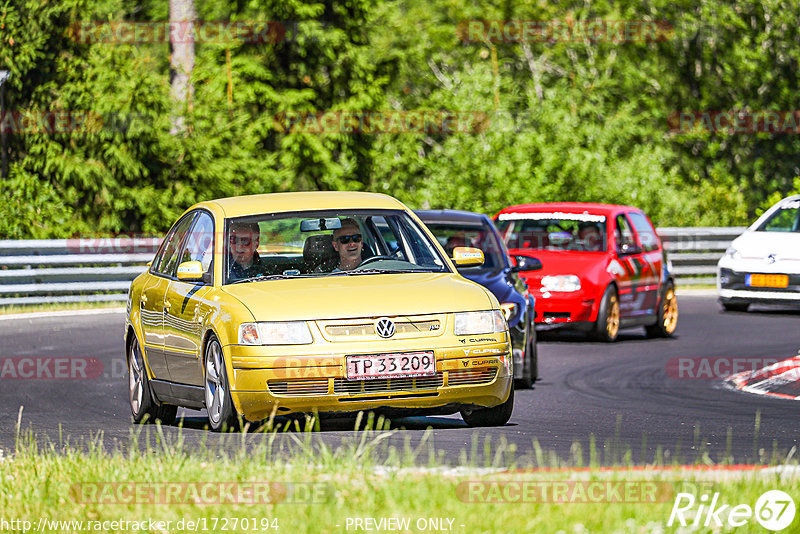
243,259
347,242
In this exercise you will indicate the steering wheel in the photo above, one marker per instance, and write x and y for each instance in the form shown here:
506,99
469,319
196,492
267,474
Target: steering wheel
374,259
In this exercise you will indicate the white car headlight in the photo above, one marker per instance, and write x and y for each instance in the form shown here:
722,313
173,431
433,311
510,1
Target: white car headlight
562,282
480,322
275,333
733,254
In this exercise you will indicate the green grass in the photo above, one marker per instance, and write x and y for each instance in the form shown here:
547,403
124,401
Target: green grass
59,482
58,306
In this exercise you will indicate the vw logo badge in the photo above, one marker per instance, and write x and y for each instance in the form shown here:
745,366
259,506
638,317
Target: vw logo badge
384,327
771,258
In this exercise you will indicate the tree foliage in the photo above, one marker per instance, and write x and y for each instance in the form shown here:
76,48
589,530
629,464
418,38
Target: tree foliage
566,120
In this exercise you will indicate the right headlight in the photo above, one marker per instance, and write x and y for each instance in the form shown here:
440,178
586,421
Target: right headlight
480,322
562,282
275,333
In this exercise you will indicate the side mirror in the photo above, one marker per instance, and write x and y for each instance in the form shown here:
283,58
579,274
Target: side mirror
526,263
190,271
627,250
468,256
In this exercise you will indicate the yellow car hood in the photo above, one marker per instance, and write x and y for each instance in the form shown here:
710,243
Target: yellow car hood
369,295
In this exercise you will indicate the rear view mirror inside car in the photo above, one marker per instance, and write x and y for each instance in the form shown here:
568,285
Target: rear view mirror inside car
315,225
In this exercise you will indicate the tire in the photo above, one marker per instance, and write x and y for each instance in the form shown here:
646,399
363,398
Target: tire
144,408
496,416
535,357
667,314
221,412
606,328
735,306
530,362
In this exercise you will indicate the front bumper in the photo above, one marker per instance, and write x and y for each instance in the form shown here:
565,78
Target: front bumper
305,378
732,285
555,310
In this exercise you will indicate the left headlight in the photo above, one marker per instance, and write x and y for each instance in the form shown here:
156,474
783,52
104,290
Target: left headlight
275,333
563,282
481,322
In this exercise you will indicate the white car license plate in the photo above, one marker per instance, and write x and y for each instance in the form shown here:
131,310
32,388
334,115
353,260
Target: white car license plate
392,365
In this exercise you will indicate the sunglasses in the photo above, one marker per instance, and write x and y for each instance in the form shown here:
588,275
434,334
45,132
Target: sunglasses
243,241
345,239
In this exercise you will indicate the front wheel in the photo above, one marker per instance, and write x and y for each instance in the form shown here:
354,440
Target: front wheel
667,320
143,408
607,326
221,412
530,362
497,416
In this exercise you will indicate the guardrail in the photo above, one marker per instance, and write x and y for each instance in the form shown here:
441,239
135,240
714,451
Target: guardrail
71,270
101,270
695,251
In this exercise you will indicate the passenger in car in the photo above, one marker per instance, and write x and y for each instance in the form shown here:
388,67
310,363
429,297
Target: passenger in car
347,243
243,259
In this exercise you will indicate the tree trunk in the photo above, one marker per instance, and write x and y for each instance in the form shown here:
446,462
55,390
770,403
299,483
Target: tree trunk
182,17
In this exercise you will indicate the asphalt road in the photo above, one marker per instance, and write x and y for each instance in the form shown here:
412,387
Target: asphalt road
621,393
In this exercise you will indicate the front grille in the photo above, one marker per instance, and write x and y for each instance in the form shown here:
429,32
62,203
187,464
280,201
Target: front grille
317,386
471,377
368,329
556,315
342,386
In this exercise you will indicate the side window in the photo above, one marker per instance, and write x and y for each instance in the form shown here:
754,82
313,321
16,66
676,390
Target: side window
387,235
169,259
200,242
623,232
647,234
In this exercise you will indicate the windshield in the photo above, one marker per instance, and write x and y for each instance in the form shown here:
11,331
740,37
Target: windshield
785,219
326,243
553,231
452,235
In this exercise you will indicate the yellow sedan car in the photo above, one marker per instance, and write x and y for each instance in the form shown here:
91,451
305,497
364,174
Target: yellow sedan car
297,302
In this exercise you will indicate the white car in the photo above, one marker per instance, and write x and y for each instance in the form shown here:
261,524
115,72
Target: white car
763,264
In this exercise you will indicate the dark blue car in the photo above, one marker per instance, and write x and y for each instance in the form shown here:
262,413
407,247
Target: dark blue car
454,228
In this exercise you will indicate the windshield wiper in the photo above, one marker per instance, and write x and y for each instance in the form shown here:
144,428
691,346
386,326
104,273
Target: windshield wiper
389,271
267,277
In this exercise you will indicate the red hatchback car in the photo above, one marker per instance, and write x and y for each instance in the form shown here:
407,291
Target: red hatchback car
604,267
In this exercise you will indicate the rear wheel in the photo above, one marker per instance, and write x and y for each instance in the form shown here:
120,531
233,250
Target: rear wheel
221,412
607,326
667,315
143,407
497,416
735,306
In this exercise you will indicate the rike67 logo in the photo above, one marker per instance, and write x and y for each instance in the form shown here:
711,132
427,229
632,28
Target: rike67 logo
774,510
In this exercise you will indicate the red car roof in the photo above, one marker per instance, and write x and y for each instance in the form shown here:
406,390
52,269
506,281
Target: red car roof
576,207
